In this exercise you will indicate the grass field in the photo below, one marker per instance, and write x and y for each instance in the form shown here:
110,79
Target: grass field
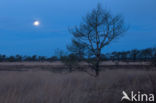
38,86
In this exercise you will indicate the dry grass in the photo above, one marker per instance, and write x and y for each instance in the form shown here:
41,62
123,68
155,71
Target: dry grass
58,63
75,87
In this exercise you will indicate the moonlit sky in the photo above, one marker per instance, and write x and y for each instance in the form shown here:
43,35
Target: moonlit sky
18,35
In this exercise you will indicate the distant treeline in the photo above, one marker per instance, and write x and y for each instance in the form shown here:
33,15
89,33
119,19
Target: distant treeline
132,55
148,54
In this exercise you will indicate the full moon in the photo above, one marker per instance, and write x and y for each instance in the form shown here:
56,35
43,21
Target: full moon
36,23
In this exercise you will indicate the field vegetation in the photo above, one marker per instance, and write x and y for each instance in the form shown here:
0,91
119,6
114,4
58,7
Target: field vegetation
76,87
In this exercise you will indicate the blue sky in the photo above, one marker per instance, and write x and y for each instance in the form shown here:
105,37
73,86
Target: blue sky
19,36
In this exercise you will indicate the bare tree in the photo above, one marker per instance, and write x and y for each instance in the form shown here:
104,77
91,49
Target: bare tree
99,28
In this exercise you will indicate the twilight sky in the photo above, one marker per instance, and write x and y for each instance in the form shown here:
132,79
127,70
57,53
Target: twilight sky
19,36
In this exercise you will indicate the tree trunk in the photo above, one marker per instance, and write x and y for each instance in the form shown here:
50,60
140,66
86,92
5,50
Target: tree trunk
97,67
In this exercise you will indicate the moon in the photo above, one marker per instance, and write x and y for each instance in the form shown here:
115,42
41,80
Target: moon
36,23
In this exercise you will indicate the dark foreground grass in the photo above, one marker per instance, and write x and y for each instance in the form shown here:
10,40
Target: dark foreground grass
75,87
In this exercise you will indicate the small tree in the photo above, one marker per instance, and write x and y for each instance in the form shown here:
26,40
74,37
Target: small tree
70,61
98,30
124,56
2,58
134,53
77,49
18,58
